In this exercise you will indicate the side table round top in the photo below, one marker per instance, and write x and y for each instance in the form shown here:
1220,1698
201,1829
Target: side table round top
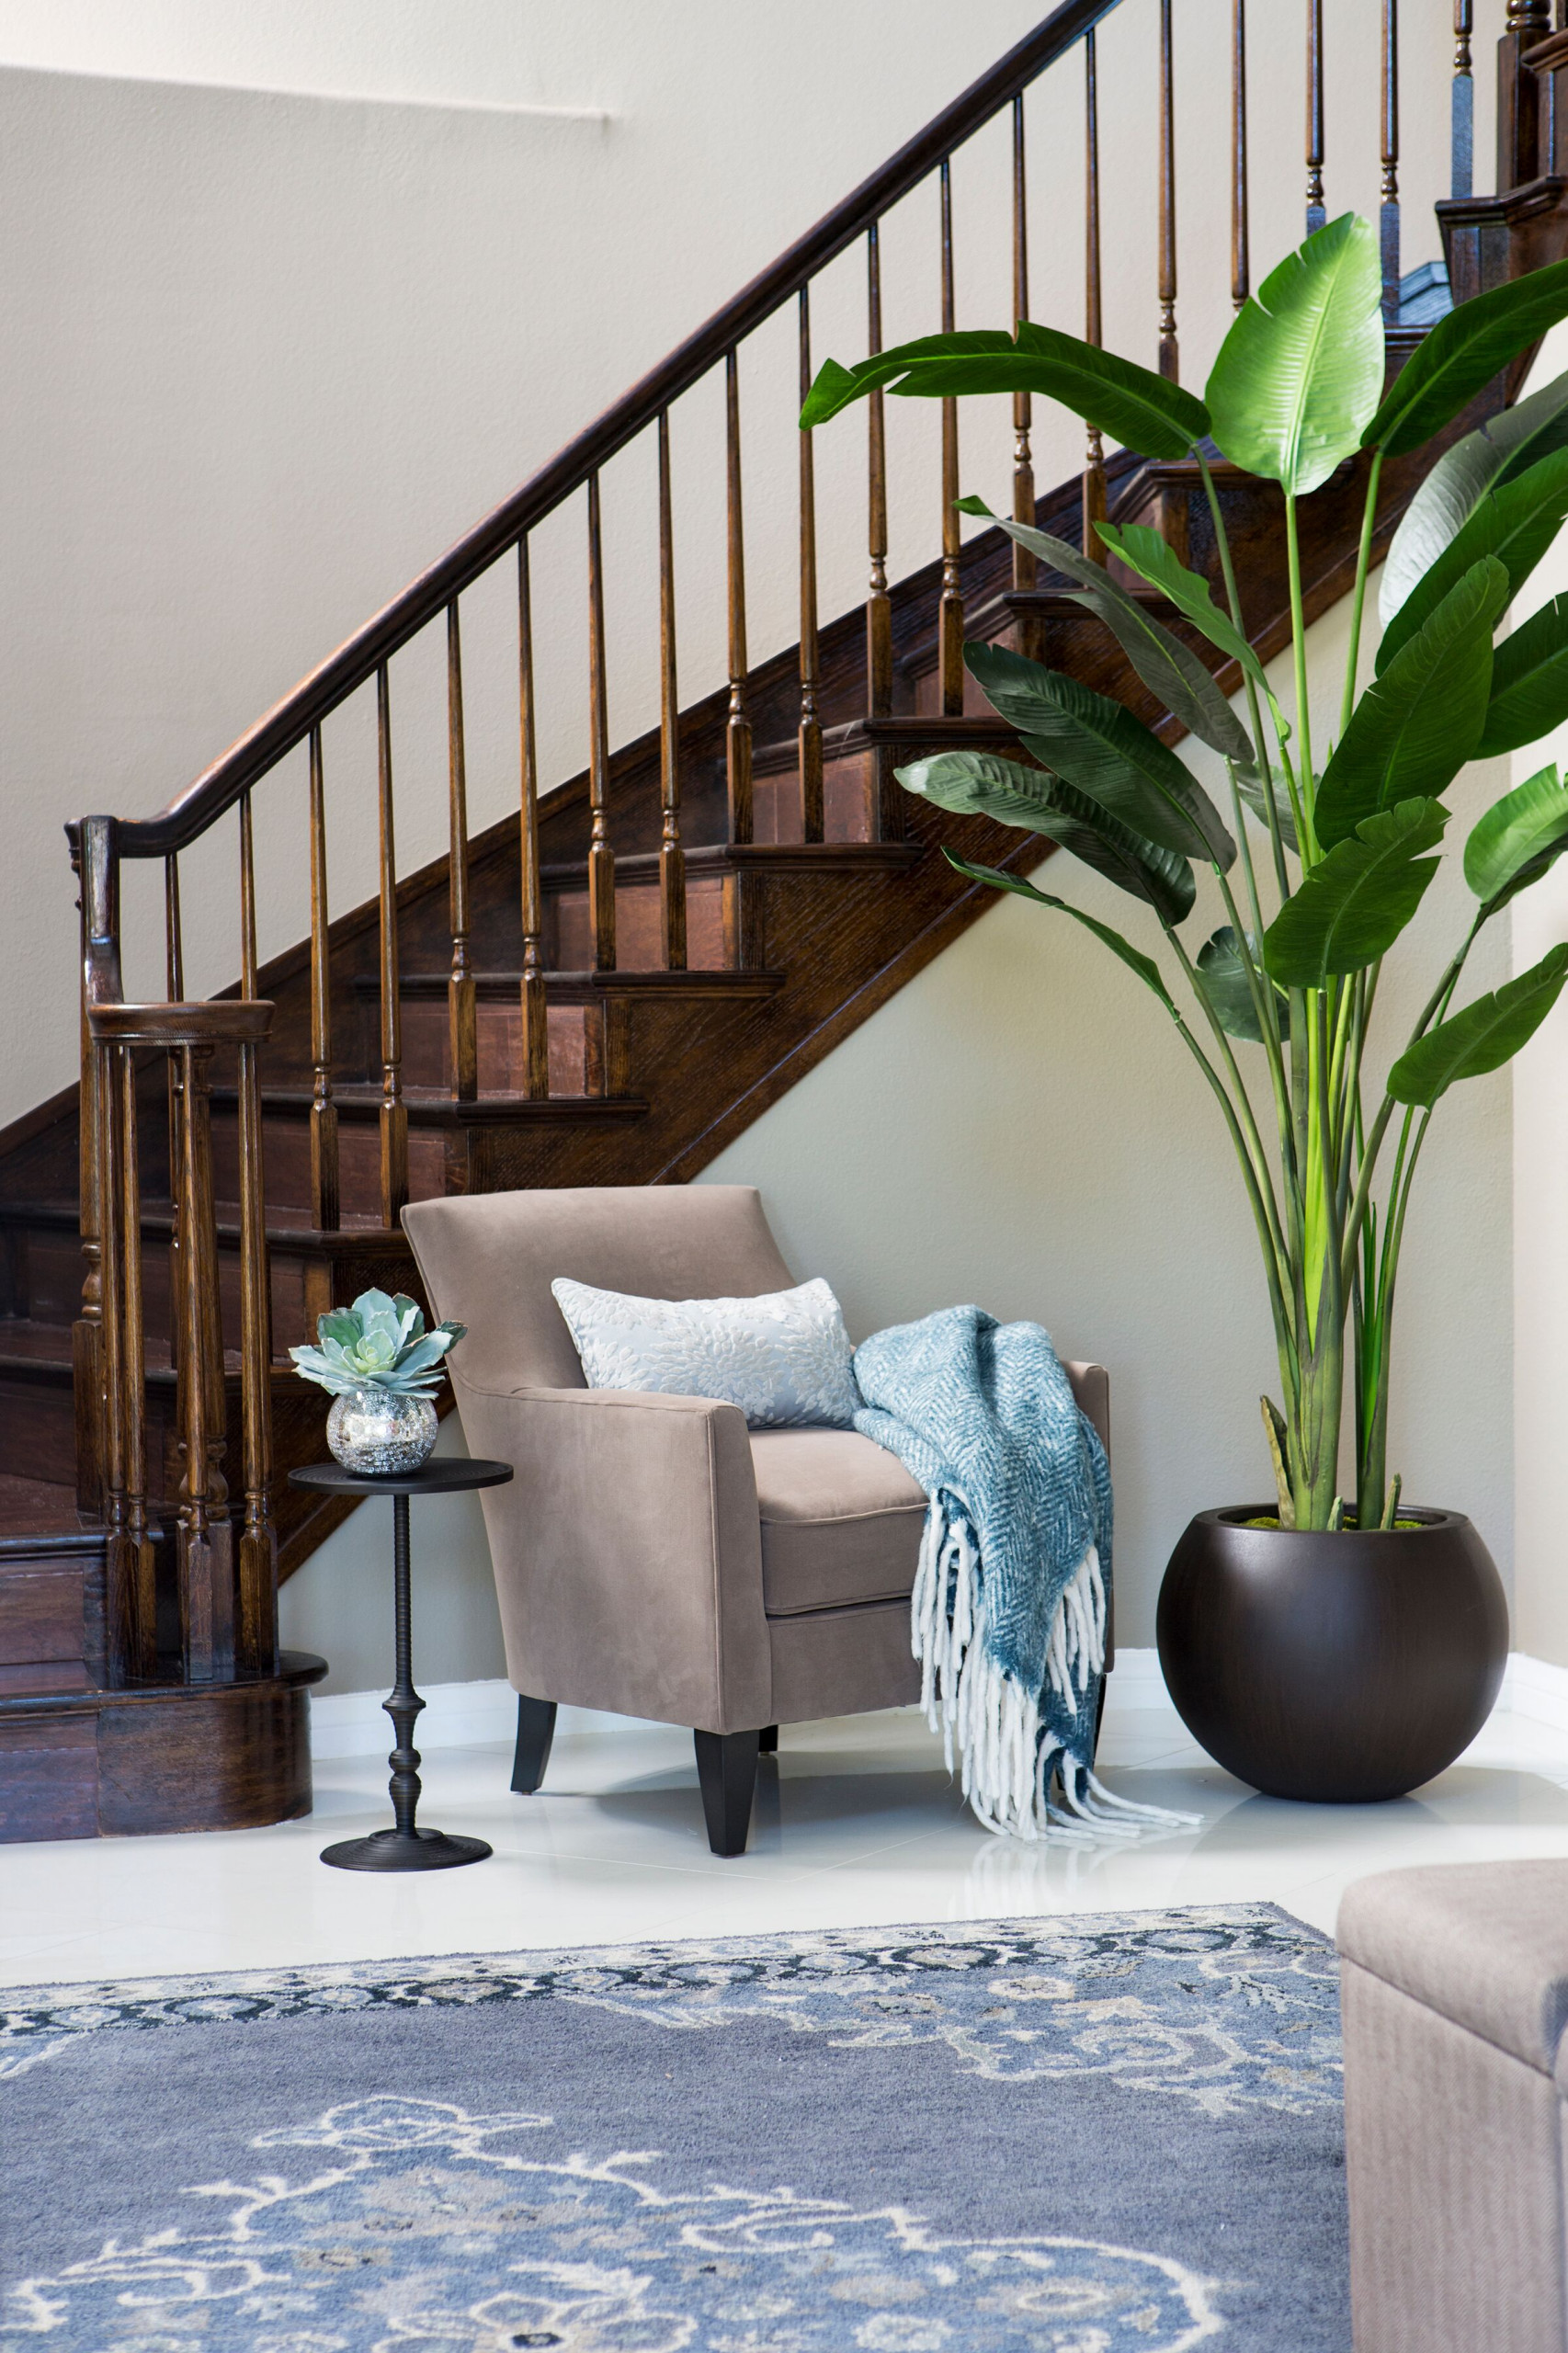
443,1478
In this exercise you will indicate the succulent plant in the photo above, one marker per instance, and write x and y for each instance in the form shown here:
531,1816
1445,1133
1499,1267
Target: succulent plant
379,1343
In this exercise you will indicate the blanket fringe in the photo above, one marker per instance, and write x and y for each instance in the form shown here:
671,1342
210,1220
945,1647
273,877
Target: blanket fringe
1010,1762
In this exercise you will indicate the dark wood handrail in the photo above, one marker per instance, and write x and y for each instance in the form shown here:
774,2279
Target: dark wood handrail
288,722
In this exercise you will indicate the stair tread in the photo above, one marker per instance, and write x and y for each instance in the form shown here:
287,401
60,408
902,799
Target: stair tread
764,858
288,1224
901,731
436,1106
506,984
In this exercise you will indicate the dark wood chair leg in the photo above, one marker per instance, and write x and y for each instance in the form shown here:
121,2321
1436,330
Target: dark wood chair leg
535,1730
767,1740
726,1767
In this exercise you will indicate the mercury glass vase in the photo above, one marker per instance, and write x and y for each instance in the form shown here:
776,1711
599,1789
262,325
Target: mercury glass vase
377,1432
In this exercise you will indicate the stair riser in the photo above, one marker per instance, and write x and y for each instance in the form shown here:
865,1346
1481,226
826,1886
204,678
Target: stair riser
52,1621
639,943
286,1151
847,788
427,1047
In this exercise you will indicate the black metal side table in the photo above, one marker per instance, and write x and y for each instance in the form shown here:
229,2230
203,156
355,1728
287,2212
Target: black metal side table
405,1848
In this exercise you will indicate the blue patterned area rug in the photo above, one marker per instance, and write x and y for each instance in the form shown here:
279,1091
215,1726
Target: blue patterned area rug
1112,2134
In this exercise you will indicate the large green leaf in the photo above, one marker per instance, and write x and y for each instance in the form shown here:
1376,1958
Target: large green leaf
1416,727
1506,446
836,386
1464,351
1099,746
1484,1036
1126,402
1134,957
1352,907
1300,372
1515,521
1167,667
979,784
1529,682
1143,551
1222,976
1520,835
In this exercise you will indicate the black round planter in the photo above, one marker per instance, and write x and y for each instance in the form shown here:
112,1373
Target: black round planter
1338,1668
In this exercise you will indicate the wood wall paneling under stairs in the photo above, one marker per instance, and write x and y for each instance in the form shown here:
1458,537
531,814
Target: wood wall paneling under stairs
604,989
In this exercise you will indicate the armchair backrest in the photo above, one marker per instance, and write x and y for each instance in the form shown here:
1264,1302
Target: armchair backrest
488,1260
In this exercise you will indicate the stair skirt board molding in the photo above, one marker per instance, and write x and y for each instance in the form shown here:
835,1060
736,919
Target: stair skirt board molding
485,1714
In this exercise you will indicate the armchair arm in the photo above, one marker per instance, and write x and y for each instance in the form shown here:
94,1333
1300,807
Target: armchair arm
628,1552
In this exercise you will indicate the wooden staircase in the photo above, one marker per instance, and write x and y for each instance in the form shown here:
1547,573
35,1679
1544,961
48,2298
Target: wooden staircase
604,989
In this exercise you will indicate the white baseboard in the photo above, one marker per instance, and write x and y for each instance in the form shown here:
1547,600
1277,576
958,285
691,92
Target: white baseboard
471,1715
1534,1687
457,1715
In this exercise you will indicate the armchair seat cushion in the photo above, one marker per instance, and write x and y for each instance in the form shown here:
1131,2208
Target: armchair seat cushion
840,1521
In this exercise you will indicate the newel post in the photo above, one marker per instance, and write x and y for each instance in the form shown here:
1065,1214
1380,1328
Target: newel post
1518,94
108,1355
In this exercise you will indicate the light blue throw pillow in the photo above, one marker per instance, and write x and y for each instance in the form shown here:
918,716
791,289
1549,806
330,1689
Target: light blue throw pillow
783,1358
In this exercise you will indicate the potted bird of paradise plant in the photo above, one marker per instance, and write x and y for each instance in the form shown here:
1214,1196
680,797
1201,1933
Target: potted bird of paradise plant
1337,1642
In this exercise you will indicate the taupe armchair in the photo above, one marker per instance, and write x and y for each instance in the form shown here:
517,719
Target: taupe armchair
653,1556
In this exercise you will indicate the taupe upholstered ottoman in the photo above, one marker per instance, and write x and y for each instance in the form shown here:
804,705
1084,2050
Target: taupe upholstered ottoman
1455,1986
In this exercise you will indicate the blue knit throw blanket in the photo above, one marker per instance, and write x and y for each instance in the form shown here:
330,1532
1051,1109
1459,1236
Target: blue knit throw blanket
1008,1613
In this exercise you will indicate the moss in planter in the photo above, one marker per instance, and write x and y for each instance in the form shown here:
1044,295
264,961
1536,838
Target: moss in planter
1351,1527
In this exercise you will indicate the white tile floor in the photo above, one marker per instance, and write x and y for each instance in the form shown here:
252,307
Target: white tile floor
857,1826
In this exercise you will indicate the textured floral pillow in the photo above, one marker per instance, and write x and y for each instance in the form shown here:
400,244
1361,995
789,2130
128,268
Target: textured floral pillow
782,1358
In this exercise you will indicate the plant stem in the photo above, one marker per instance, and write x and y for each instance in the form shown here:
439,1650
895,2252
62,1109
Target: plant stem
1359,597
1307,838
1255,714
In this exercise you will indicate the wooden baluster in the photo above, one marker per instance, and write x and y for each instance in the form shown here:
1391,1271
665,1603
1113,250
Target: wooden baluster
1462,106
394,1111
1094,323
205,1558
120,1563
535,1008
86,1332
1026,563
949,625
1388,211
247,898
256,1609
1170,356
672,858
879,607
1239,265
95,858
142,1632
601,858
174,989
810,734
324,1194
737,731
462,1018
1316,211
887,813
1518,94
